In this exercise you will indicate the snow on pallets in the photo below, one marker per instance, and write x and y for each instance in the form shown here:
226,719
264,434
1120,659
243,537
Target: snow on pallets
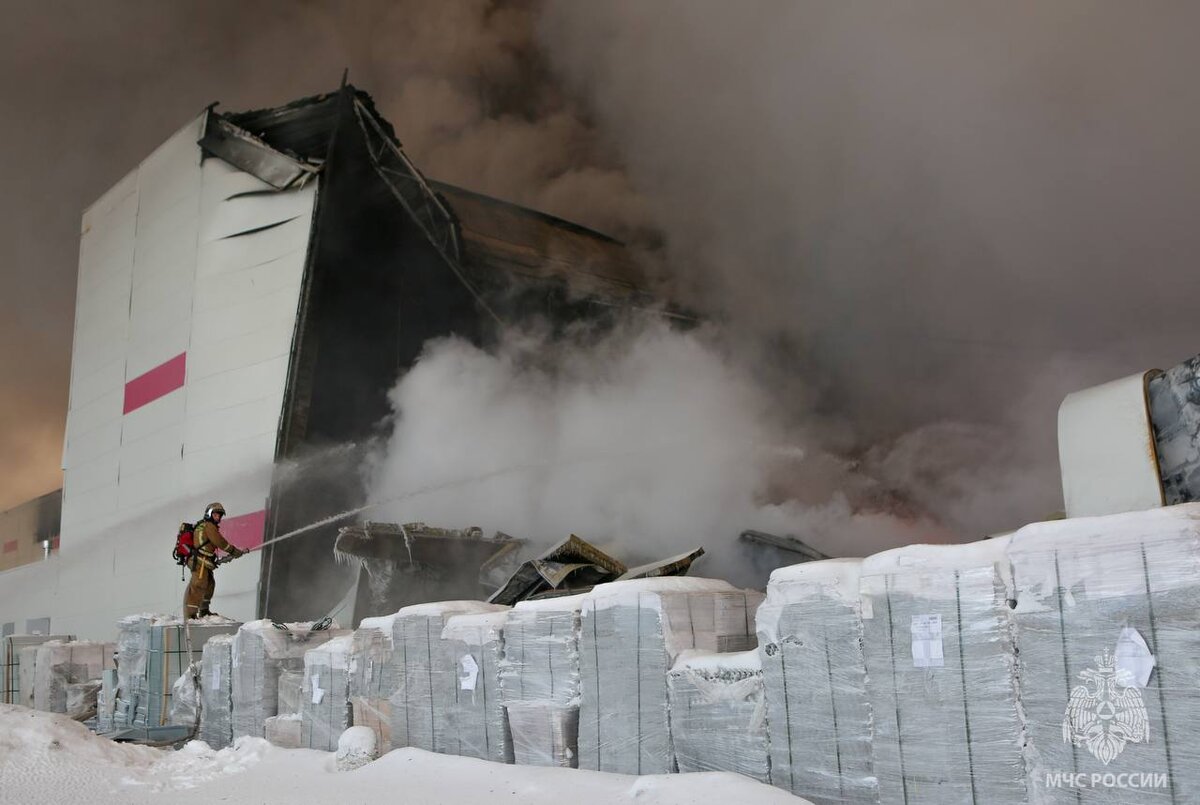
427,679
718,713
539,680
260,652
941,677
1108,617
631,634
474,647
810,646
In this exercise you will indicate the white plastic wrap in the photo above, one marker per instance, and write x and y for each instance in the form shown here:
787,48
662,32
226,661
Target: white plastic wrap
474,648
291,692
60,665
941,677
81,700
631,634
543,733
284,731
152,652
325,693
216,692
373,678
718,714
27,675
539,680
260,652
185,700
819,718
425,695
106,701
10,670
1108,628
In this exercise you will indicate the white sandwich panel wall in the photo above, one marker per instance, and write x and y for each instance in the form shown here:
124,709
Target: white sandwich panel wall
189,284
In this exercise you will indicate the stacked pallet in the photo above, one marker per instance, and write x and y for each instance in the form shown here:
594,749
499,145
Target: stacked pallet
1108,630
216,692
374,676
632,633
427,678
152,652
941,675
474,647
539,680
261,651
60,665
10,671
325,693
718,713
810,646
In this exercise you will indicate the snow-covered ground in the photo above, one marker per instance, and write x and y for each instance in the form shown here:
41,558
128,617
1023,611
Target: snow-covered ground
50,759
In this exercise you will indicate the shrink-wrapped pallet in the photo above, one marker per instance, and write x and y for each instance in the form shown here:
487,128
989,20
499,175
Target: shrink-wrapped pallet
718,713
27,675
152,653
941,675
60,665
106,701
427,683
474,646
81,700
1108,629
291,691
10,670
325,693
216,692
631,634
374,675
819,718
539,680
261,650
285,731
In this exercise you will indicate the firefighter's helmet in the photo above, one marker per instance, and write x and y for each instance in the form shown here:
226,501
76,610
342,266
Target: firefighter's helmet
214,508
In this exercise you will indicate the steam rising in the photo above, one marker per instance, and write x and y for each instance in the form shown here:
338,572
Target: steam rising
647,442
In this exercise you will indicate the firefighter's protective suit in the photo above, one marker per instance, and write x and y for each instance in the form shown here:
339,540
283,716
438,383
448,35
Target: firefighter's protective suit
203,583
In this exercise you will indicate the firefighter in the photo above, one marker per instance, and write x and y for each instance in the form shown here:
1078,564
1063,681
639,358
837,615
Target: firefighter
208,540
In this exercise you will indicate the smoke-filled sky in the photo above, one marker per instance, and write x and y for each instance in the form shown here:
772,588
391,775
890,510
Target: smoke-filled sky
914,225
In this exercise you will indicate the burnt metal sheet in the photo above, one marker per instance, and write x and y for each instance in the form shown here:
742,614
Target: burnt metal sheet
674,566
248,153
786,543
570,565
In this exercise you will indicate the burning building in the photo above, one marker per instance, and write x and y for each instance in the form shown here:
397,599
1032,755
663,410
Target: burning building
247,296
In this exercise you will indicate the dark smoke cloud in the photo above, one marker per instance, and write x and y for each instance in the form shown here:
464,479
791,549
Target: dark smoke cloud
88,90
918,224
954,212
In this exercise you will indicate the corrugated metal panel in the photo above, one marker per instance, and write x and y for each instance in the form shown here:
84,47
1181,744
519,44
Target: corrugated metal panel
166,412
233,254
108,378
83,447
272,340
151,450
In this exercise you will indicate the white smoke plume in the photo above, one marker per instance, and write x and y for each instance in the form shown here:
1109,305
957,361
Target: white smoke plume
647,442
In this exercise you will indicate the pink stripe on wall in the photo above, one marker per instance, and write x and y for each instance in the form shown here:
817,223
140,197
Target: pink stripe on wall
245,530
158,382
